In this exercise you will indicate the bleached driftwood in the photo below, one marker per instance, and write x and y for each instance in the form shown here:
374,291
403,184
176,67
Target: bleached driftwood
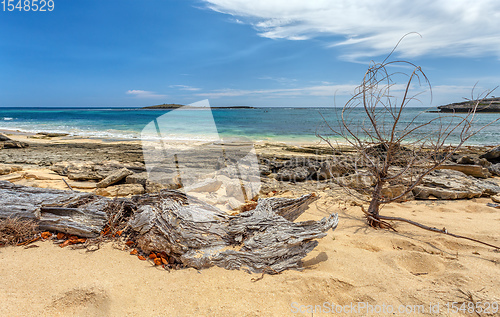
71,212
194,233
199,235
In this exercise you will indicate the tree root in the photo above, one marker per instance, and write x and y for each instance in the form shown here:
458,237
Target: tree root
383,224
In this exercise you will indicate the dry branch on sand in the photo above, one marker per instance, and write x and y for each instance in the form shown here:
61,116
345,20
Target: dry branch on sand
395,151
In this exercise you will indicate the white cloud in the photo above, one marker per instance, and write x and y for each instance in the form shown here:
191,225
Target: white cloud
184,87
145,94
372,27
322,90
281,80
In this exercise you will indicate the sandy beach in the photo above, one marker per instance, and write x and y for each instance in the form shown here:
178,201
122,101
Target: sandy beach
354,271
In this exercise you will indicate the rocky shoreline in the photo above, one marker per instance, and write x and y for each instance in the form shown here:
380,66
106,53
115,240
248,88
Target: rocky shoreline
117,169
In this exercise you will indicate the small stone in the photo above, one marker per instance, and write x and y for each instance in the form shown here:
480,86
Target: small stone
496,198
46,235
133,252
140,257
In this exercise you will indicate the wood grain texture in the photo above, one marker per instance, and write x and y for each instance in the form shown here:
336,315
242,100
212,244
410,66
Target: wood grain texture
195,233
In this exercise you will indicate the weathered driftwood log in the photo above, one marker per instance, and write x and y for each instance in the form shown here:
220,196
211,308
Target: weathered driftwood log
71,212
199,235
189,230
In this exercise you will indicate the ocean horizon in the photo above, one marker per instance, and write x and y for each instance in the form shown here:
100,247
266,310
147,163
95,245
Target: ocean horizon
272,124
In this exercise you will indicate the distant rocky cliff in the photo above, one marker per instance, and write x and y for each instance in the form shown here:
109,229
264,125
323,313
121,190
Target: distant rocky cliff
485,105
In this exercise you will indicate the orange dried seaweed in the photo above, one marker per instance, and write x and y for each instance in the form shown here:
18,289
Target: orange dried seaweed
158,261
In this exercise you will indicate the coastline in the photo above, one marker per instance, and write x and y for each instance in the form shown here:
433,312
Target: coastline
289,125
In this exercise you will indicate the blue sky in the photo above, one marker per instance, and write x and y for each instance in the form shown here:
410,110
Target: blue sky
129,53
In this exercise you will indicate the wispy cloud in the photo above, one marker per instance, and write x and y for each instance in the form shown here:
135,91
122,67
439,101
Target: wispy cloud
281,80
321,90
184,87
366,28
145,94
329,90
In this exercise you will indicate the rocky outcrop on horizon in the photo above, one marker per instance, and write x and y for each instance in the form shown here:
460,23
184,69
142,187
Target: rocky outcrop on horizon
485,105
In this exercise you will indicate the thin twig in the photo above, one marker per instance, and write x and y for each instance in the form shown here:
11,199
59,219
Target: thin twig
65,182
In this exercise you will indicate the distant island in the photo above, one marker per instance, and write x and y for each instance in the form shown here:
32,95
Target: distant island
176,106
485,105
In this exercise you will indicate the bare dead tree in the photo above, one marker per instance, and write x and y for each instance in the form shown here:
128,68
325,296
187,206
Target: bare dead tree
395,151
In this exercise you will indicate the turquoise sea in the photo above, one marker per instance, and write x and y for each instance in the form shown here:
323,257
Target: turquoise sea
258,124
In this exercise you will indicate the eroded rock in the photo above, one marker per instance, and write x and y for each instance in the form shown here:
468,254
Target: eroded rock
493,155
7,169
472,170
451,184
114,178
494,169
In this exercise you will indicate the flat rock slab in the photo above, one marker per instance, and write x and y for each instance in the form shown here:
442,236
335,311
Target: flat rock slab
114,178
7,169
451,184
472,170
